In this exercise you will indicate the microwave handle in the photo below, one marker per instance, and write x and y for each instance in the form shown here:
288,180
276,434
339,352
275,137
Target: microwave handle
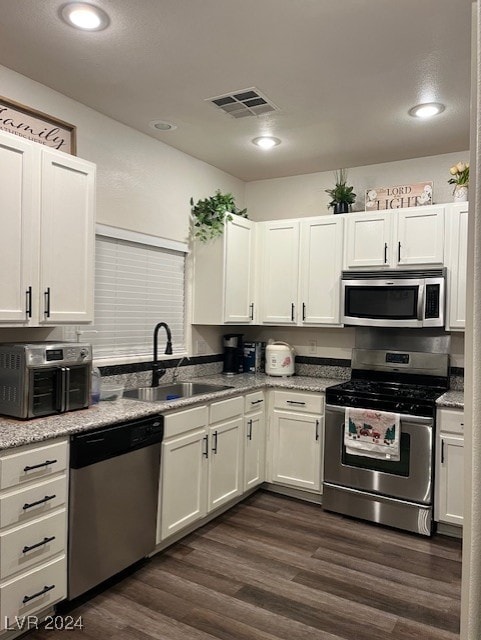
421,302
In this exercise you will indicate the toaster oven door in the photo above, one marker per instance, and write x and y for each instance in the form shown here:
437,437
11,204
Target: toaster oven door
58,389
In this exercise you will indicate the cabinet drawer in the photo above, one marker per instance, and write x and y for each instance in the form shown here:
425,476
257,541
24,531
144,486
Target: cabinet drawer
182,421
33,501
32,464
225,409
301,402
254,401
47,536
451,420
36,590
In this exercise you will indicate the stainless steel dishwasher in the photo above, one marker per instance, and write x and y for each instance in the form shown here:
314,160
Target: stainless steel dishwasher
114,485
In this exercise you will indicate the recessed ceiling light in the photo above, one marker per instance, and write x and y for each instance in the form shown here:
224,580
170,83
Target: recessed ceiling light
162,125
266,142
82,15
426,110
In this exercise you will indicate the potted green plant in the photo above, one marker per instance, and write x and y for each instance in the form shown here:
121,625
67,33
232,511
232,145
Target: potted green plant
342,196
210,214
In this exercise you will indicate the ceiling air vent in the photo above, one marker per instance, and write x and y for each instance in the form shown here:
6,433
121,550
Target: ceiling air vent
244,103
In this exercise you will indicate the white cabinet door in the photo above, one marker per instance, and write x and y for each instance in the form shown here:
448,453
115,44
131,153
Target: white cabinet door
296,442
320,270
238,269
368,240
225,462
457,249
254,451
279,273
450,484
66,239
420,236
19,193
183,482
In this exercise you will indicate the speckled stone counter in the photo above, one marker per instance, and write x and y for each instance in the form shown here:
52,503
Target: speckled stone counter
451,399
15,433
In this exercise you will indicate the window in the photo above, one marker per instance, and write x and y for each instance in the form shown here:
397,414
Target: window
136,286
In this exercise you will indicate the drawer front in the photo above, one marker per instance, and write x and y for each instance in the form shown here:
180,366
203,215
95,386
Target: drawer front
183,421
301,402
32,464
451,420
254,401
226,409
33,501
34,591
33,543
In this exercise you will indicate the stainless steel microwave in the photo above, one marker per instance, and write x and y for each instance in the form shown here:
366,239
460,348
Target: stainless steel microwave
44,378
393,298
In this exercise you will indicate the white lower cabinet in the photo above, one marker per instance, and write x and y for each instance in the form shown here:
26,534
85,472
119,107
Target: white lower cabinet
33,533
296,437
449,485
225,462
254,440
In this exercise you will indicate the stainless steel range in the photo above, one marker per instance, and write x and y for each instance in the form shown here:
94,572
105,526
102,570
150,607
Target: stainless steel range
395,492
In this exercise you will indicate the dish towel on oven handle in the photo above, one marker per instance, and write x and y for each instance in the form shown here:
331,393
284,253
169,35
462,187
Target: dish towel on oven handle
374,434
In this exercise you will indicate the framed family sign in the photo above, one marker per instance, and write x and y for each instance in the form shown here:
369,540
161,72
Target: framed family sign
37,126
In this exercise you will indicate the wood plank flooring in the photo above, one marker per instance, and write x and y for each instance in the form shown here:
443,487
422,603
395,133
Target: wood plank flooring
275,568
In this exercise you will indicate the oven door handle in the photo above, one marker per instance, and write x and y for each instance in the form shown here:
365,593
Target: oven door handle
421,302
405,417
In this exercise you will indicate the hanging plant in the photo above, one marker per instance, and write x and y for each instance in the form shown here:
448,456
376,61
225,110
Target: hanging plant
210,214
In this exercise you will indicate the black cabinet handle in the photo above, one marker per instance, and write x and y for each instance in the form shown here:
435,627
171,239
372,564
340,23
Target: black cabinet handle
46,296
303,310
317,429
249,431
293,307
295,402
257,401
28,302
35,504
442,451
39,544
37,466
206,450
399,251
251,307
37,595
385,253
214,448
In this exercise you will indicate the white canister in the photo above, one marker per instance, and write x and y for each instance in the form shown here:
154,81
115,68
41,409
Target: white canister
279,359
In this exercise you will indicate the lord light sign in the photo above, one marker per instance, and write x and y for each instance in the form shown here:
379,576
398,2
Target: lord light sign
400,196
37,126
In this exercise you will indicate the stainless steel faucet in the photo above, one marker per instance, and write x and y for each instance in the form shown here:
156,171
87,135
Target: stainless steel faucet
176,370
157,370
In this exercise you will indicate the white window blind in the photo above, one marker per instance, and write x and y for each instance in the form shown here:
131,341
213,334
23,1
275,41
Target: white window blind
136,286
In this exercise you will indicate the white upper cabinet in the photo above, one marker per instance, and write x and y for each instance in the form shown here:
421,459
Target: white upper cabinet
47,246
320,270
279,267
300,268
395,239
223,290
456,263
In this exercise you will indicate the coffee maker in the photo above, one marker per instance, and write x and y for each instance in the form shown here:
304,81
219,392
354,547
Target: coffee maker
233,354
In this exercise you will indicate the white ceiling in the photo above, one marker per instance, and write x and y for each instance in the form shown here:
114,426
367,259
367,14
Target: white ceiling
343,74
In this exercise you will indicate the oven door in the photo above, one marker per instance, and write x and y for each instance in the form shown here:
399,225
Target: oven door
383,303
411,478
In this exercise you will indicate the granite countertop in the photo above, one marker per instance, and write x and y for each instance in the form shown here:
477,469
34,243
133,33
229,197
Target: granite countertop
16,433
452,399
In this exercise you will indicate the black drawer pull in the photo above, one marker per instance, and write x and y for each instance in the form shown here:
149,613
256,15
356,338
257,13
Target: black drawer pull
257,401
28,505
295,402
37,595
38,466
39,544
249,432
214,448
206,450
317,429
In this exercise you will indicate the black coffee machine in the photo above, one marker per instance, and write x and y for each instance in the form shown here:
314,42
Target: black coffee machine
233,354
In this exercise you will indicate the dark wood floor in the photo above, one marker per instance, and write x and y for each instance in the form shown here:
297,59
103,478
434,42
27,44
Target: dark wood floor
273,568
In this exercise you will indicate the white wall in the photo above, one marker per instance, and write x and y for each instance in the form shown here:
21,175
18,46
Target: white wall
304,195
142,184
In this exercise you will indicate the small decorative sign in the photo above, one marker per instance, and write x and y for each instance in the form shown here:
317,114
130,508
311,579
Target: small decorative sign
399,197
37,126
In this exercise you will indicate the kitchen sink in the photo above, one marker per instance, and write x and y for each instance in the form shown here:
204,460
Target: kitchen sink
173,391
